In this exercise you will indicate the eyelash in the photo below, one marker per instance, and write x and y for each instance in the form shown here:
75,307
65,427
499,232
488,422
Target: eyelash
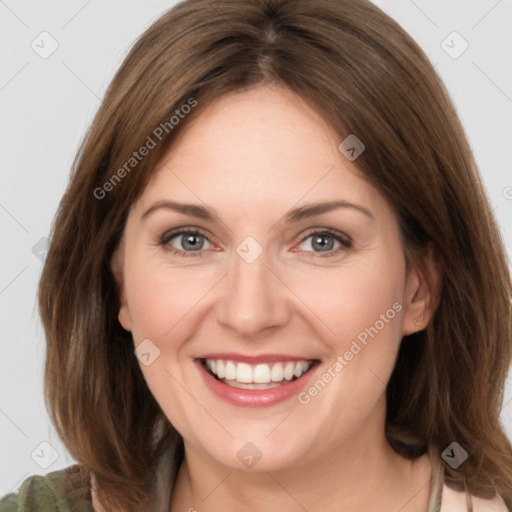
344,240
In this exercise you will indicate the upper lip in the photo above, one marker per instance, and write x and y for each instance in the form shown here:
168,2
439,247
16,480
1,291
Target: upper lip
255,359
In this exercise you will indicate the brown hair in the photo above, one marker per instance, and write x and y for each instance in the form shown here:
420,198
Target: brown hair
364,75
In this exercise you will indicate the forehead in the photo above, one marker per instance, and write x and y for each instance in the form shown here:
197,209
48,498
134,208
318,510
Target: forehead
262,147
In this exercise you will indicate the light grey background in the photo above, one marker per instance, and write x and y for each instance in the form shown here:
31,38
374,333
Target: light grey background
47,104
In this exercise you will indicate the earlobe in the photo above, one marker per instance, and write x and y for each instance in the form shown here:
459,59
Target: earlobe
417,321
422,293
124,318
117,271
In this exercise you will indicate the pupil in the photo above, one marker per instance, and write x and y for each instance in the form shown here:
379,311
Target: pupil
191,240
323,246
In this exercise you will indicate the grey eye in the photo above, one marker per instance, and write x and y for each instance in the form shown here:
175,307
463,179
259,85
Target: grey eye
188,242
319,242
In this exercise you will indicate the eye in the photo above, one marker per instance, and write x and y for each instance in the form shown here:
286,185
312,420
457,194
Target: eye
190,241
185,240
327,241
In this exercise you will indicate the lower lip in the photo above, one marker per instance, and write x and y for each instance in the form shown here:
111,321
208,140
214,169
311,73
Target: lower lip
254,397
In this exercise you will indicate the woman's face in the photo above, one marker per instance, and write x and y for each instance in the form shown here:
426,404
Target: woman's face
263,287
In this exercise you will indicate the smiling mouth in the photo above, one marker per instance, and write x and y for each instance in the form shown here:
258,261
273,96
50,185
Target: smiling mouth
256,376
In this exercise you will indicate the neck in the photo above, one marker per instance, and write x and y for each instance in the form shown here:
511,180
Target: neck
362,473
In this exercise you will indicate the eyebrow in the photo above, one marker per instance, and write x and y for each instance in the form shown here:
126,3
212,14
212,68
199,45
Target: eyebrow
295,215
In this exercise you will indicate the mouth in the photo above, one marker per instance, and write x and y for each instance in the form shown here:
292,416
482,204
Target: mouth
243,375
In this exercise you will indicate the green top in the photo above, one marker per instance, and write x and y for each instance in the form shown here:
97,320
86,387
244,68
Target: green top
69,490
59,491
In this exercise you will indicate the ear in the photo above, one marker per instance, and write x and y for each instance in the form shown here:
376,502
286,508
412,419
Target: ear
423,290
116,266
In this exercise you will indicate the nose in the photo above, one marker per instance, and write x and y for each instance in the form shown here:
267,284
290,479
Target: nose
254,300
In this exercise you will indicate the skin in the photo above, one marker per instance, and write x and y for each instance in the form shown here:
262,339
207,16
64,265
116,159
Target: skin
252,156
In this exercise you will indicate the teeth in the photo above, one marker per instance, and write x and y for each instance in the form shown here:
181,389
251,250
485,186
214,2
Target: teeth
212,364
230,372
277,373
221,369
288,371
262,373
244,373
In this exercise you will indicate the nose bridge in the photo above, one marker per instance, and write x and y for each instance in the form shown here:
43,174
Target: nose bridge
254,299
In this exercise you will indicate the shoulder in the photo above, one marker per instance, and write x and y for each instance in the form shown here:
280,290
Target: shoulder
64,490
455,501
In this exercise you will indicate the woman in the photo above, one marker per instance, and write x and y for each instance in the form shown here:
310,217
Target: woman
275,282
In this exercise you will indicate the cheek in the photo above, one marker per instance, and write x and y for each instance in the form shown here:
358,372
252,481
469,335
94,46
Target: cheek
355,297
362,306
160,298
162,302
